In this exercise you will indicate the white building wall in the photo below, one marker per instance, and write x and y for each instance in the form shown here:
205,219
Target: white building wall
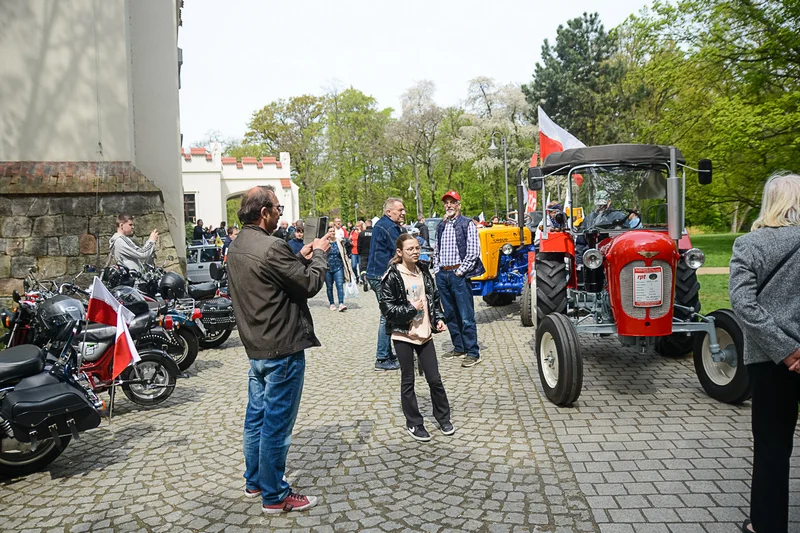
214,179
64,81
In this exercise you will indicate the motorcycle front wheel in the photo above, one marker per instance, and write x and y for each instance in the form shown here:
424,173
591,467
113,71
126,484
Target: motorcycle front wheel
17,459
153,382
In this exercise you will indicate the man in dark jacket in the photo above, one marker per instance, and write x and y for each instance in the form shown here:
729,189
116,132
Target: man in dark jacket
382,248
423,228
269,286
364,240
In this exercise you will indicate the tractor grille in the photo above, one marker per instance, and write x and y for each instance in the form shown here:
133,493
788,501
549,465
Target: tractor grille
626,291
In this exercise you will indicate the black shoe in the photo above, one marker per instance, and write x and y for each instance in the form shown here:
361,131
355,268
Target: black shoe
419,433
470,361
447,428
746,526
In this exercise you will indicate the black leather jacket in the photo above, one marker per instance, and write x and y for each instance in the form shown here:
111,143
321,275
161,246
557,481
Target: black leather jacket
395,305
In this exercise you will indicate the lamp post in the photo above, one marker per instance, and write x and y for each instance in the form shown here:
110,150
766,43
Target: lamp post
356,209
492,149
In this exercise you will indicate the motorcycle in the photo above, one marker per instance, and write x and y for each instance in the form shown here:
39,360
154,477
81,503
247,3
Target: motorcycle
182,340
150,381
42,407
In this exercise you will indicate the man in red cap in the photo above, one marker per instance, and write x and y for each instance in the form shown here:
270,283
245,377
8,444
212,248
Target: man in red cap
457,259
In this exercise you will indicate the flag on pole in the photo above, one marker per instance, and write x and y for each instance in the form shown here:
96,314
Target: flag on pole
125,352
531,204
205,242
481,218
103,306
554,138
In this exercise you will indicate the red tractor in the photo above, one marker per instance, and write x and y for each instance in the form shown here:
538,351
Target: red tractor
628,269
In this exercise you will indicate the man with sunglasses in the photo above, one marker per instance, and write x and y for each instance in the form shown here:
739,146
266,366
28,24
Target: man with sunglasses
270,286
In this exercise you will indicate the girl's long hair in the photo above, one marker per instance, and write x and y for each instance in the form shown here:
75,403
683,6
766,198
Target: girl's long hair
398,245
780,204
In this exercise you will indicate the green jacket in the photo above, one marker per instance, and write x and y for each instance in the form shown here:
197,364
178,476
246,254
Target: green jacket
270,287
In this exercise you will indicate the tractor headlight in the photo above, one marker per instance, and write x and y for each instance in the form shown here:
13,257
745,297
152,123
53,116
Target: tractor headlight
507,249
694,258
592,258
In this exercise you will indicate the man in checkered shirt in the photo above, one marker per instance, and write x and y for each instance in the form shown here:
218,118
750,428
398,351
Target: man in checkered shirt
456,259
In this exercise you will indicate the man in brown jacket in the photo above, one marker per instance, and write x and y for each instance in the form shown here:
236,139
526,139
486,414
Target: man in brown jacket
270,287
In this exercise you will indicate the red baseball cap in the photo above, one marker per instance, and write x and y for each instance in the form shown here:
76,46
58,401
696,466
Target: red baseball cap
452,194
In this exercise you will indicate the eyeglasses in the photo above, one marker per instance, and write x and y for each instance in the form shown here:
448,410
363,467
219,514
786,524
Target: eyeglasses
278,207
412,249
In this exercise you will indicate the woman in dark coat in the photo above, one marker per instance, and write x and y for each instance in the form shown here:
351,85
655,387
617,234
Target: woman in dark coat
410,302
765,275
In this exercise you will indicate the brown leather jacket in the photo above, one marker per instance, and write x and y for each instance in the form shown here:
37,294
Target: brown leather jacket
270,287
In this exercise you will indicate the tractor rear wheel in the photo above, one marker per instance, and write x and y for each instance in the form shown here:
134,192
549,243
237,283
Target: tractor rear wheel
551,284
687,294
527,307
726,381
498,299
558,354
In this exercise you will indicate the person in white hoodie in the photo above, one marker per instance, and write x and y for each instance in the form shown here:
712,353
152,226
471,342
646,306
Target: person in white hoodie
123,249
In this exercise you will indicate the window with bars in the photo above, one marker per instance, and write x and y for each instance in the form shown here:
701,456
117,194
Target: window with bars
189,211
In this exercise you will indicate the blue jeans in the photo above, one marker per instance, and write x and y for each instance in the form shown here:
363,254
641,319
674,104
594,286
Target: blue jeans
459,312
355,263
274,389
384,351
330,278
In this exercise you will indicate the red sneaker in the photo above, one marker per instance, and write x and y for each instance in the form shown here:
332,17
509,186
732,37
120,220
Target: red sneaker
293,502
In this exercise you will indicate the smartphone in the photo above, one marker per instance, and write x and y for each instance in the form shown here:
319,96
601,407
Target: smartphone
315,228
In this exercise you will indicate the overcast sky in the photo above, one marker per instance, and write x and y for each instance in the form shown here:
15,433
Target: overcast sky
241,55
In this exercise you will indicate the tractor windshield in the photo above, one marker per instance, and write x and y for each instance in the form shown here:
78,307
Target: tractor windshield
619,197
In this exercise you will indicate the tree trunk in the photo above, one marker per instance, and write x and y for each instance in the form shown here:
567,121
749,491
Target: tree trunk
735,220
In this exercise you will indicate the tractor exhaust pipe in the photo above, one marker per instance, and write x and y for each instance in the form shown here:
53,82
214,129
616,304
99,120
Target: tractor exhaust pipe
674,198
520,207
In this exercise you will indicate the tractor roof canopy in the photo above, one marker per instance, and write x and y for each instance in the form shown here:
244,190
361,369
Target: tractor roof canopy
642,155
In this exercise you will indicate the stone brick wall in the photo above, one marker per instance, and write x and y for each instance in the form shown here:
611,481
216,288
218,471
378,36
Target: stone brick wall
59,216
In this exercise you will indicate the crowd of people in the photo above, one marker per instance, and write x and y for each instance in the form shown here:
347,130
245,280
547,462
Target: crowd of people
273,273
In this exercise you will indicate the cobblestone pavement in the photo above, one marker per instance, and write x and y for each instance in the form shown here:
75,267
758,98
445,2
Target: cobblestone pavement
644,449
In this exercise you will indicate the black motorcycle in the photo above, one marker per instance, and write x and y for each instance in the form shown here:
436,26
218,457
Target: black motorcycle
42,407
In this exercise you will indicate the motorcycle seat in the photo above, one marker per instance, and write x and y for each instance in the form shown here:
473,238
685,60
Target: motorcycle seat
141,323
200,291
96,332
20,362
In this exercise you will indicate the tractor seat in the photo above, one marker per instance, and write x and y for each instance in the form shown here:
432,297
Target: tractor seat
202,291
20,362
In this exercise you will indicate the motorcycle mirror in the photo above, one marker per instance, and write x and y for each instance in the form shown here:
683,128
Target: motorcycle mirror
216,270
89,268
33,269
15,296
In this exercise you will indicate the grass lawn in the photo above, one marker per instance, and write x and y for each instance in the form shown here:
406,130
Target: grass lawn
713,292
717,247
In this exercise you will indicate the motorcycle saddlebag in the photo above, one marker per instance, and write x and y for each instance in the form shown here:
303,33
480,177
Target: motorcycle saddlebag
217,314
38,408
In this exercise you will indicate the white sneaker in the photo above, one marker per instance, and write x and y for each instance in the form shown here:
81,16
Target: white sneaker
342,307
333,307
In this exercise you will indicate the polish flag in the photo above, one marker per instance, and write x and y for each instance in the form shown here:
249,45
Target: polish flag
554,138
125,352
530,203
103,306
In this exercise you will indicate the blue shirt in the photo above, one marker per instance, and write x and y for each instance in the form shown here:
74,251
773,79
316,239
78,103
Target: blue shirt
382,246
334,258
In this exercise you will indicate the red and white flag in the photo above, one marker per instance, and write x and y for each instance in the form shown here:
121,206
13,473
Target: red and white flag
125,352
554,138
103,306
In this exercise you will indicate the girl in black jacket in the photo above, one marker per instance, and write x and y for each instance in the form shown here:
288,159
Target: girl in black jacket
410,302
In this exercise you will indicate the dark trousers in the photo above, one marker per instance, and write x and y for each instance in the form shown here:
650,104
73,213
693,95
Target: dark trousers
776,392
408,398
459,312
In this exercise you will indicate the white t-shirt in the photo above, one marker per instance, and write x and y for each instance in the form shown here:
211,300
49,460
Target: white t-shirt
419,329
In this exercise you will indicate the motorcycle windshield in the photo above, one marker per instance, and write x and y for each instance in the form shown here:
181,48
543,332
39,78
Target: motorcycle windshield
619,197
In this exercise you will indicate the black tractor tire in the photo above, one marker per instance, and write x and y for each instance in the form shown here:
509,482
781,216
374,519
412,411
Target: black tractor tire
160,380
551,284
687,294
15,464
498,299
558,355
527,307
723,382
212,340
187,348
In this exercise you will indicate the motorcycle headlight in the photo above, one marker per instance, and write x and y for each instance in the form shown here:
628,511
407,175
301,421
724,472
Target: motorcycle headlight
694,258
592,258
507,249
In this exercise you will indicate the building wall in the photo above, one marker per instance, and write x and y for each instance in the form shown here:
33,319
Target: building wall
214,179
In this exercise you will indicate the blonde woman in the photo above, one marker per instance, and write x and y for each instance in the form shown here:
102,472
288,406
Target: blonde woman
765,275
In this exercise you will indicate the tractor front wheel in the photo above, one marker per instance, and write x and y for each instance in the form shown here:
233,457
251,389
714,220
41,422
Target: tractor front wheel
558,353
726,381
551,284
527,309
